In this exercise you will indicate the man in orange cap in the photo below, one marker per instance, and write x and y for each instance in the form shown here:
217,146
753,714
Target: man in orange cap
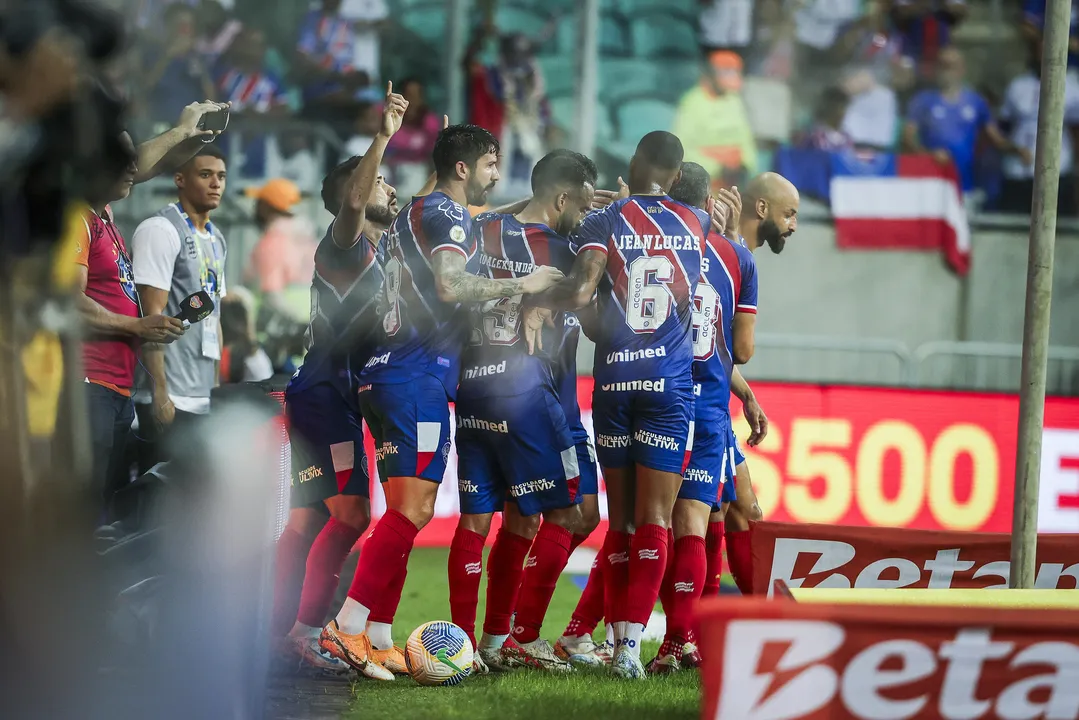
283,261
712,122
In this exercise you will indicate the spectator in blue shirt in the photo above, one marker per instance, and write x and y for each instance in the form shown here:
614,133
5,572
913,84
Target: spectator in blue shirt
949,120
925,27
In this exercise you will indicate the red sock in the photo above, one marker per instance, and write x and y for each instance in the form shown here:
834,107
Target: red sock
714,548
466,571
666,590
690,566
740,558
505,564
385,554
647,563
589,610
386,607
292,549
577,540
615,562
550,553
324,564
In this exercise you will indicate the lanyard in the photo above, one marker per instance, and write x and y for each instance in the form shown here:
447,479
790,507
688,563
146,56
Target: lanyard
196,238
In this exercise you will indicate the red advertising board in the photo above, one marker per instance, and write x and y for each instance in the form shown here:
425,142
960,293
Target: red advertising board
875,457
805,555
785,660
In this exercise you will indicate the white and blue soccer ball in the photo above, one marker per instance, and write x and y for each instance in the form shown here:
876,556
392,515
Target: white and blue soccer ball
438,653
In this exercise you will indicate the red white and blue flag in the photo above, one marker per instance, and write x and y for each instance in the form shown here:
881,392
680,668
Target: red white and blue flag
886,201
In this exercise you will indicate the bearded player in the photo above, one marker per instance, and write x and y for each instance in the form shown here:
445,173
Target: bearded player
767,215
412,375
724,316
643,253
329,468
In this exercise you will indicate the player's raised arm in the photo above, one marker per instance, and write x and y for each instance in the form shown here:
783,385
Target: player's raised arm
361,184
454,283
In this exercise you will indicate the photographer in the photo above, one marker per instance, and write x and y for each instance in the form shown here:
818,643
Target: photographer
108,302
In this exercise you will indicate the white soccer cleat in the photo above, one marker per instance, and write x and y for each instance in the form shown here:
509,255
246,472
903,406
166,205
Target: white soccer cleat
479,667
313,657
578,651
627,665
605,652
492,658
537,655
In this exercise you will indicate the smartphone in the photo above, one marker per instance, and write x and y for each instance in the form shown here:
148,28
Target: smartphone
216,121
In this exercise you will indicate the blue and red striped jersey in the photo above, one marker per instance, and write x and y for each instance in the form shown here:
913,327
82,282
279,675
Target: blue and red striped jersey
728,285
345,325
496,361
422,333
653,248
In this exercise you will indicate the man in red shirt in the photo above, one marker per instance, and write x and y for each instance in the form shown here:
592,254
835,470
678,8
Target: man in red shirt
109,304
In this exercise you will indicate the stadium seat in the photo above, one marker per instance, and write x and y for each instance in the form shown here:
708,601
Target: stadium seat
559,74
637,116
663,35
428,20
637,7
621,76
614,39
518,18
564,111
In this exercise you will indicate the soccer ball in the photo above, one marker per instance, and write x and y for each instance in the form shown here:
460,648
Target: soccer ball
438,653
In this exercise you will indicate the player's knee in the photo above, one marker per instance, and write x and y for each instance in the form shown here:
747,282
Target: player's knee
479,523
717,516
524,526
735,521
351,510
307,521
589,516
419,511
690,517
567,518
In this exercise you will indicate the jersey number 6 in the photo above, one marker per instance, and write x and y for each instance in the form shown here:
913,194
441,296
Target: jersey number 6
648,299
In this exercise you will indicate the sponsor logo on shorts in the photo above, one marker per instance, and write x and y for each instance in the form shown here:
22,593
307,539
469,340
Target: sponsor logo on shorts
698,475
378,360
625,356
632,385
473,568
466,487
481,371
471,423
648,554
532,486
657,441
310,474
612,441
385,450
683,587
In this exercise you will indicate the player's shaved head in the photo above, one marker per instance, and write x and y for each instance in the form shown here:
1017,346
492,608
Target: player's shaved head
590,167
564,186
692,187
772,200
656,164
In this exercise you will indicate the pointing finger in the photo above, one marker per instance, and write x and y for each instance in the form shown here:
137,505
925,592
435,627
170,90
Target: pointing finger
389,88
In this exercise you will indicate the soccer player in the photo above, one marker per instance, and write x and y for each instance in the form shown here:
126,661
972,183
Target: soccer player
724,315
767,215
515,447
644,255
329,468
406,385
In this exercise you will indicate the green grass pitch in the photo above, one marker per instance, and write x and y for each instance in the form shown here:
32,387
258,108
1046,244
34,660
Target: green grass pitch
523,694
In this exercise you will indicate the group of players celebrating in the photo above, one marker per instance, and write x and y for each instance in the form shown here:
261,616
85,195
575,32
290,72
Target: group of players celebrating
415,308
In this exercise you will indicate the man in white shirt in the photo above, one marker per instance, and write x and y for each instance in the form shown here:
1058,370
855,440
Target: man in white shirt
176,253
367,17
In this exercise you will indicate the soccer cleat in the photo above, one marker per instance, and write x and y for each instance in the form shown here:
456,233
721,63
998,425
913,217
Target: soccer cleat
578,651
605,652
627,665
392,659
663,664
537,655
313,657
492,658
691,656
354,650
479,667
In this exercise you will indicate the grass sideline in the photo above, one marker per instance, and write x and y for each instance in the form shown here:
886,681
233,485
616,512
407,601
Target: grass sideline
520,694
